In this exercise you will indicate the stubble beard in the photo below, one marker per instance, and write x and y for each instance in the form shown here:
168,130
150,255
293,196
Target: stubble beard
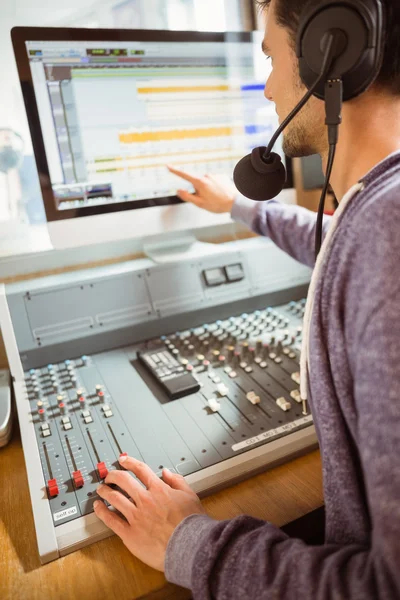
298,142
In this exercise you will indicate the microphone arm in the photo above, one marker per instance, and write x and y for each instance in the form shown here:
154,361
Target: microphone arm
326,67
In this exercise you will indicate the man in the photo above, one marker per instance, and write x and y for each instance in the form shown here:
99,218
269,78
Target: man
354,367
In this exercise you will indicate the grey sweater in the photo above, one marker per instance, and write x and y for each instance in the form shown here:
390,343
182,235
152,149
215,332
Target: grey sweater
355,400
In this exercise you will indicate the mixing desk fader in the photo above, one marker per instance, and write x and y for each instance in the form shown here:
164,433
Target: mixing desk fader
215,401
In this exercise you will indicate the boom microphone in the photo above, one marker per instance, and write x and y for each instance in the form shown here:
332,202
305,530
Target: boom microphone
261,175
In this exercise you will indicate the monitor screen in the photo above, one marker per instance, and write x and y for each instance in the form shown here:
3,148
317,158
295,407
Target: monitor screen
111,109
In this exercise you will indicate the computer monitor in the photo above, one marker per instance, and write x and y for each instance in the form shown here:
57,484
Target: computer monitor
109,109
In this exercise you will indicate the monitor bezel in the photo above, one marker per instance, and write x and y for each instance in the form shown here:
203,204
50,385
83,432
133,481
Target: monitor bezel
21,35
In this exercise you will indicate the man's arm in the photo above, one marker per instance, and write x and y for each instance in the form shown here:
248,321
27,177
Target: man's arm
292,228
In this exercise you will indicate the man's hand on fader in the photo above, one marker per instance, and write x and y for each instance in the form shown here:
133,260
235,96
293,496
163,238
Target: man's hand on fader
152,513
215,193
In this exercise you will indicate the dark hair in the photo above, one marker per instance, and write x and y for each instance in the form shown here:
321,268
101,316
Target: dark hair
288,16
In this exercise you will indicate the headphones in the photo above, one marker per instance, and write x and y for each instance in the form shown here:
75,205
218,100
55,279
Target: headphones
340,47
359,26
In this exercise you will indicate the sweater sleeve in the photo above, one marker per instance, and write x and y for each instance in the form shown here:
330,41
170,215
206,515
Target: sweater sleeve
290,227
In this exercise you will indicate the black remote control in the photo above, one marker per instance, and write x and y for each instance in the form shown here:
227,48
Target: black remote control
170,374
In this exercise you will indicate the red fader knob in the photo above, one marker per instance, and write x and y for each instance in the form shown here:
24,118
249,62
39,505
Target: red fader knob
102,470
78,479
53,488
123,454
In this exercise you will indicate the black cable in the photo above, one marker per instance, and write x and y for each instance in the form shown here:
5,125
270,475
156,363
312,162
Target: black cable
333,108
320,219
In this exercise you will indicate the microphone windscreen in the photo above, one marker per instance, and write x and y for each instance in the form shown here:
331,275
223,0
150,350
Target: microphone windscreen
260,179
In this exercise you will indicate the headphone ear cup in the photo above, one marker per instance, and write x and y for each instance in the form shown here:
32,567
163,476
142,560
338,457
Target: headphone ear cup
359,53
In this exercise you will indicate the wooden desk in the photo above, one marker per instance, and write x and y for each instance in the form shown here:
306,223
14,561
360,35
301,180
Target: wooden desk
106,569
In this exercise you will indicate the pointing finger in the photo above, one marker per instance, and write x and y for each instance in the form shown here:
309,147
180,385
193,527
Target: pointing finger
186,176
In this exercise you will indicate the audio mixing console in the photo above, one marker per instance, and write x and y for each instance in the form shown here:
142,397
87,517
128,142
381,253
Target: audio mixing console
215,401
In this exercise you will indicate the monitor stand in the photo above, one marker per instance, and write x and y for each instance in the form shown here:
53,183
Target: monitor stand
177,247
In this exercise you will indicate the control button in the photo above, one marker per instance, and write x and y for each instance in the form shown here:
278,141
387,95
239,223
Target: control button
234,272
253,398
233,374
82,401
39,404
67,426
65,420
284,404
88,420
78,479
214,405
108,414
248,369
60,398
42,414
45,426
46,433
53,488
63,408
105,408
102,470
86,413
214,277
99,388
216,380
100,396
263,364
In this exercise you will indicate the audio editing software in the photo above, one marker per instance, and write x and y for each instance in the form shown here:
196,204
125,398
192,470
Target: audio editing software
113,115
